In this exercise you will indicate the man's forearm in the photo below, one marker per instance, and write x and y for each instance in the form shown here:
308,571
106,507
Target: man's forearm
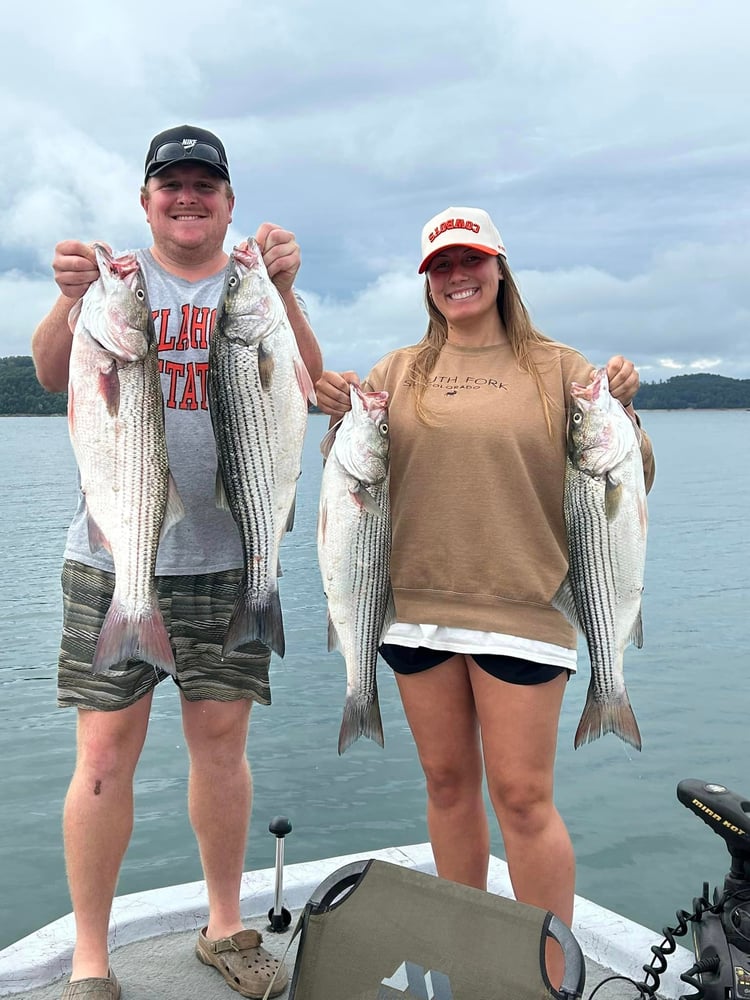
306,340
50,346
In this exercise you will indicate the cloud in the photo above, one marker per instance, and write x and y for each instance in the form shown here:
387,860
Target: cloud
608,142
384,315
597,312
23,302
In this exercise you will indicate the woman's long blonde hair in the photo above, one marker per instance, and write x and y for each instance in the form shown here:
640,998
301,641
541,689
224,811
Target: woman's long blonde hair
521,332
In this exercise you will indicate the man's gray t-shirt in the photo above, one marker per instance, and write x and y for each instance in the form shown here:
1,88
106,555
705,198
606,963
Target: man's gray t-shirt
206,540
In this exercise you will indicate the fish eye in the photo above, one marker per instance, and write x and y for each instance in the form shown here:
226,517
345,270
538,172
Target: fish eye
140,294
233,281
577,418
384,429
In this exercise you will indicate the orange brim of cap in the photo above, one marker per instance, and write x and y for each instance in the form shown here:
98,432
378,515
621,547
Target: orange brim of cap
472,246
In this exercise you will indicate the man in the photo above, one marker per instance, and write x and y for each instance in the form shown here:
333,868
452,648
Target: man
188,203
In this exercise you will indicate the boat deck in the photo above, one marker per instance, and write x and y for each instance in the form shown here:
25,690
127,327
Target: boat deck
153,937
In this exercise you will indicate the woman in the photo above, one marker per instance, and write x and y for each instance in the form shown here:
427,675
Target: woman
477,420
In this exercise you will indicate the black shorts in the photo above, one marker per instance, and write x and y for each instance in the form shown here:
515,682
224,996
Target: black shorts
512,669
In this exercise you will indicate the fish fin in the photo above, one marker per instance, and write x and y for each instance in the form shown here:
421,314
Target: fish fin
255,619
122,636
266,365
614,716
334,642
636,633
642,515
174,511
328,438
71,408
97,538
290,516
612,498
220,494
304,381
360,719
362,496
109,389
322,522
565,603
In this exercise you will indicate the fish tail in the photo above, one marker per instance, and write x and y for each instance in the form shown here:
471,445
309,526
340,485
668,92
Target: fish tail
123,636
360,719
254,619
613,716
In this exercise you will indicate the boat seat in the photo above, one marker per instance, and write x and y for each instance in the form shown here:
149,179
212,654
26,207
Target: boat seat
377,931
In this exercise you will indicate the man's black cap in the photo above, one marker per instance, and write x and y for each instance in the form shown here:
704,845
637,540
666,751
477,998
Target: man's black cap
186,143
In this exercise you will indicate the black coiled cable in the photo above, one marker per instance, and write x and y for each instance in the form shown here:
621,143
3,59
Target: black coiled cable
668,946
705,965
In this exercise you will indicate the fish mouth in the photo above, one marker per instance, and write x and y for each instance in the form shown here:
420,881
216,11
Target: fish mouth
246,254
124,268
372,401
590,393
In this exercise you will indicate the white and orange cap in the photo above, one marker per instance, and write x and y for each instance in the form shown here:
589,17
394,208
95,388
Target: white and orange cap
460,227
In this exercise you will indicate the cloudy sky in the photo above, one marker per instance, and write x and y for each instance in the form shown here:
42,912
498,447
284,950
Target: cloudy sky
609,141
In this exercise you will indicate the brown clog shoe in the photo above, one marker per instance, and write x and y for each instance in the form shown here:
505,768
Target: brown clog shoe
102,988
244,963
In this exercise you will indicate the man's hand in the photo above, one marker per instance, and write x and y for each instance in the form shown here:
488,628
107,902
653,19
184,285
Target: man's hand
75,268
281,254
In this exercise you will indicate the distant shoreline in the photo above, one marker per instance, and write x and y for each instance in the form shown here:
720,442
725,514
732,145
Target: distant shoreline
21,394
644,409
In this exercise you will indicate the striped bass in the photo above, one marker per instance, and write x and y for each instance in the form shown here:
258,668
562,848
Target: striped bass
116,424
606,520
258,391
354,544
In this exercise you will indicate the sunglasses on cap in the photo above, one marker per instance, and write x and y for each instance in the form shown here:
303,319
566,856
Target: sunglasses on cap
172,152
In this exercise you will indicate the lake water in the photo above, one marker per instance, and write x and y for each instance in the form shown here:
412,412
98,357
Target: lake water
639,851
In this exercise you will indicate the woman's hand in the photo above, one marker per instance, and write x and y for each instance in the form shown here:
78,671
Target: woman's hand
332,391
624,380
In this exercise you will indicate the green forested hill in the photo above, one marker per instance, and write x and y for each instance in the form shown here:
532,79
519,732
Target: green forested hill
695,392
20,393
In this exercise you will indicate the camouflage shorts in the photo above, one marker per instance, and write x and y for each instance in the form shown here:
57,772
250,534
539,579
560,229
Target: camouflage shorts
196,611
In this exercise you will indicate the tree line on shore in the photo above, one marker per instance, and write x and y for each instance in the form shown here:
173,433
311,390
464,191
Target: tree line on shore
21,394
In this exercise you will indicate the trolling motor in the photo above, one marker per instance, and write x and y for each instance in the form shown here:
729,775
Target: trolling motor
721,928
